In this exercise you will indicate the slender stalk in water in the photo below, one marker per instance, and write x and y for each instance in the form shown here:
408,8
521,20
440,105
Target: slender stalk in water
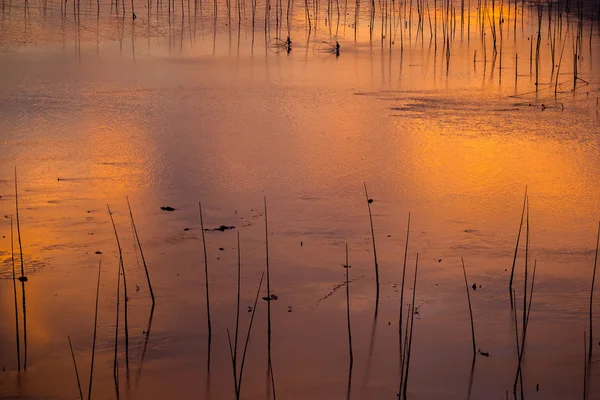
76,371
12,257
239,388
526,265
115,363
95,330
585,363
522,350
412,318
122,266
137,238
237,317
470,309
347,266
402,293
592,293
512,272
206,278
270,364
22,278
369,201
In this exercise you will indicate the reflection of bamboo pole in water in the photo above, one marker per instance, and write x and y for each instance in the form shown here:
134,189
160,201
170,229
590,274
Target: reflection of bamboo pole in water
371,348
145,347
215,13
471,376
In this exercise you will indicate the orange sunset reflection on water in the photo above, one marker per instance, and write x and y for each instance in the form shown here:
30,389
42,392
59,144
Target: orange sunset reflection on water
169,112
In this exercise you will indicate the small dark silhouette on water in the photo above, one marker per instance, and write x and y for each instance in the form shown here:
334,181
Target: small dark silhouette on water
222,228
167,208
337,52
483,353
474,286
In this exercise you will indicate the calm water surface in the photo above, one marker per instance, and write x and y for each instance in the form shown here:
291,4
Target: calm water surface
180,106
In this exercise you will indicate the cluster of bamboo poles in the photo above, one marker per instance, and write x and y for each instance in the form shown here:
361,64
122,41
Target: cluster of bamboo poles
404,22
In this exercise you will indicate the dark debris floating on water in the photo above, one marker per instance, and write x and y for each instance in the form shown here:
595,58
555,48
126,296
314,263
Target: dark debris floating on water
167,208
222,228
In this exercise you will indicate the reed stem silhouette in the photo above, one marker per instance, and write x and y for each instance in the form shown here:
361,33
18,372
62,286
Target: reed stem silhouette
76,371
23,278
95,331
592,294
270,364
470,309
585,366
137,238
402,292
205,276
115,363
14,279
126,297
412,318
347,267
512,272
369,201
526,270
239,383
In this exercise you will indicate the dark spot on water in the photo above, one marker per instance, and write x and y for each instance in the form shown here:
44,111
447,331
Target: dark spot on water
370,201
483,353
186,229
221,249
22,278
98,252
474,287
167,208
222,228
